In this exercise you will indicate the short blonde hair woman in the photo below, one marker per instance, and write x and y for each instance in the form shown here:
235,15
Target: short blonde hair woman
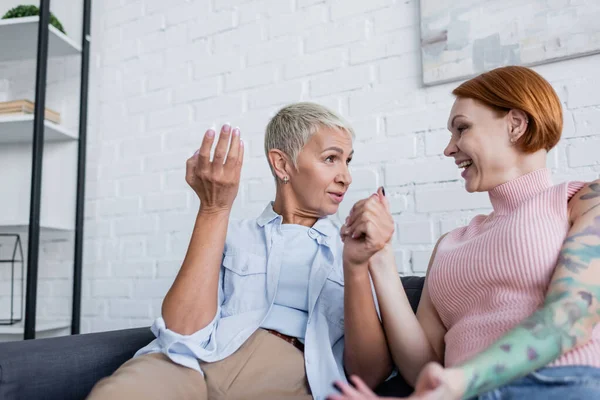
257,308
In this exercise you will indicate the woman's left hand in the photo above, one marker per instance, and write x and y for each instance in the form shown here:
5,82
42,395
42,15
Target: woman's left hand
438,383
434,383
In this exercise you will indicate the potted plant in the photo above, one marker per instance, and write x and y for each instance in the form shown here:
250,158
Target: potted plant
29,11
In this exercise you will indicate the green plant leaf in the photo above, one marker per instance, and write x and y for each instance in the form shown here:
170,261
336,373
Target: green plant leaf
29,11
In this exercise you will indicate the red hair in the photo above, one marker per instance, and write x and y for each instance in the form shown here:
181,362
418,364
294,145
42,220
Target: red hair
515,87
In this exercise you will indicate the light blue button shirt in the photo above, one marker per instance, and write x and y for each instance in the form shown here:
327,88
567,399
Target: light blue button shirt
249,277
289,313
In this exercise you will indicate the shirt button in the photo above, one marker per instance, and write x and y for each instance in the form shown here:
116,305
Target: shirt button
312,233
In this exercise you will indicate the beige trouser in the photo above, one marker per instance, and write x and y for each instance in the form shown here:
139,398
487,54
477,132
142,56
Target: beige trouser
265,367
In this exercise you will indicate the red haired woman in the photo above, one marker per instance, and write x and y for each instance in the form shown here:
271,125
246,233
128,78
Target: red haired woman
511,302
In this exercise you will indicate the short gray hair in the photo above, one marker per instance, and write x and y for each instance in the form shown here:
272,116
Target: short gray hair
291,128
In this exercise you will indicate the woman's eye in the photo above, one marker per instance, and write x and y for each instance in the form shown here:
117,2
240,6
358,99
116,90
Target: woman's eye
462,128
330,159
348,161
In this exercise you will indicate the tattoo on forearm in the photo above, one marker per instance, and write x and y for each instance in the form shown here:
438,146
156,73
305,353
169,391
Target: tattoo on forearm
595,193
563,323
590,209
535,343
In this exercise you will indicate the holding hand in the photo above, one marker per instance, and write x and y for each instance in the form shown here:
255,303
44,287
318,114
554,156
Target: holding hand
216,182
434,383
368,228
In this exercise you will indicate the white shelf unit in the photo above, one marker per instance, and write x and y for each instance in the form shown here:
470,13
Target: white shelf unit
19,129
43,329
59,181
18,40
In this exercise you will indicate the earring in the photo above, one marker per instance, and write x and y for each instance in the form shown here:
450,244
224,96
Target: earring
513,140
285,180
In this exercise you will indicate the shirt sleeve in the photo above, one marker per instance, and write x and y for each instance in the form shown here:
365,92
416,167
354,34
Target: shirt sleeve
186,350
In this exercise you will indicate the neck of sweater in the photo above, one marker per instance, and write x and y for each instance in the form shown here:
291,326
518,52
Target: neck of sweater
508,196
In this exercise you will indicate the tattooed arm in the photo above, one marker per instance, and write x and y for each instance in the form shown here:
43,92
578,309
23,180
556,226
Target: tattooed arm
568,316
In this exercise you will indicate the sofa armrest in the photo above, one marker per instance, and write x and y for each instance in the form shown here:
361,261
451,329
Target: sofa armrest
65,367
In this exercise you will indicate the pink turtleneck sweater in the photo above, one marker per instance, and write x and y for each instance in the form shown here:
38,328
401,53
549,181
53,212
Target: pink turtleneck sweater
491,275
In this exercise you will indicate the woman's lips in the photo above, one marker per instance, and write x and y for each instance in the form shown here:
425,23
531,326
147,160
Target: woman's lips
337,197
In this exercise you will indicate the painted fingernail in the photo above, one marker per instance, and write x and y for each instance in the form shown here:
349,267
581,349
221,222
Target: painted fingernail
226,127
236,131
241,143
383,190
210,133
196,153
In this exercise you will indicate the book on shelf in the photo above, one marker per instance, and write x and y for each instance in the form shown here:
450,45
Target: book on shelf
21,107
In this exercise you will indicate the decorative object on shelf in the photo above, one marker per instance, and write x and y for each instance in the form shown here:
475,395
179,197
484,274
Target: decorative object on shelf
26,107
11,255
30,11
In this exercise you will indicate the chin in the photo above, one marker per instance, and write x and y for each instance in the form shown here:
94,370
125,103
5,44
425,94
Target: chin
330,210
471,187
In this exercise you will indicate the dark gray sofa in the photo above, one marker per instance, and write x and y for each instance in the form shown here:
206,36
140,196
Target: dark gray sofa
66,368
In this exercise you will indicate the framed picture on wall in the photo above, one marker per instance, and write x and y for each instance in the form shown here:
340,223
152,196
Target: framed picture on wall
463,38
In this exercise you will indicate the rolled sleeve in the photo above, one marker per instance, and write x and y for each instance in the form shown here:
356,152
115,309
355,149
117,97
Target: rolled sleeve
186,350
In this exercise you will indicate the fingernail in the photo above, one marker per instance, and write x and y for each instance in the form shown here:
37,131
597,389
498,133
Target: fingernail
241,143
196,153
226,127
210,133
236,131
383,190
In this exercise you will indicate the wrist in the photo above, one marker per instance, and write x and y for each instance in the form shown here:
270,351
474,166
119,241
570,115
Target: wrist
353,270
459,377
214,211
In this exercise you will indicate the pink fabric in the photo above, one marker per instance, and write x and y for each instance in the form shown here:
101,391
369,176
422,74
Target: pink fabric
489,276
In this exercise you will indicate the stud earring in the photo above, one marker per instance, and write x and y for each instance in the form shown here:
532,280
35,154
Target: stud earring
285,180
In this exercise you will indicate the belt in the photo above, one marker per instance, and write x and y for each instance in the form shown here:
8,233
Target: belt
291,340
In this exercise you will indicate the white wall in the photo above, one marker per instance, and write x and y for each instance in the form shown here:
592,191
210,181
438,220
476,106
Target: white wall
168,70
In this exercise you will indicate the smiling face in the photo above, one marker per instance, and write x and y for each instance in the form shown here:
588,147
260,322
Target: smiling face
481,144
321,177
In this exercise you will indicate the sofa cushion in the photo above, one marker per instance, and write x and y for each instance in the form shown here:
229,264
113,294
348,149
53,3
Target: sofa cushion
65,367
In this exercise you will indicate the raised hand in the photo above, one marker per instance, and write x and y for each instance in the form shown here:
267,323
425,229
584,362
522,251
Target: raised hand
216,182
368,228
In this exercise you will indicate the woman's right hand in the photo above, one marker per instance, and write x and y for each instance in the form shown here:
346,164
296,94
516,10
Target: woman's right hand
368,229
216,182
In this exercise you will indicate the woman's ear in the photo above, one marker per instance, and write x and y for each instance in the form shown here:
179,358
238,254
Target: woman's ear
280,164
518,123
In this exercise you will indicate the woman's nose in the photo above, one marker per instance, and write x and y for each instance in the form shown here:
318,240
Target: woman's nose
345,177
451,149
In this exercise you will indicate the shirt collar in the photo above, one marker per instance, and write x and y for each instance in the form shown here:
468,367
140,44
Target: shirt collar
324,226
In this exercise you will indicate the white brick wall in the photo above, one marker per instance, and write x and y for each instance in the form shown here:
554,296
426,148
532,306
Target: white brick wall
167,71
